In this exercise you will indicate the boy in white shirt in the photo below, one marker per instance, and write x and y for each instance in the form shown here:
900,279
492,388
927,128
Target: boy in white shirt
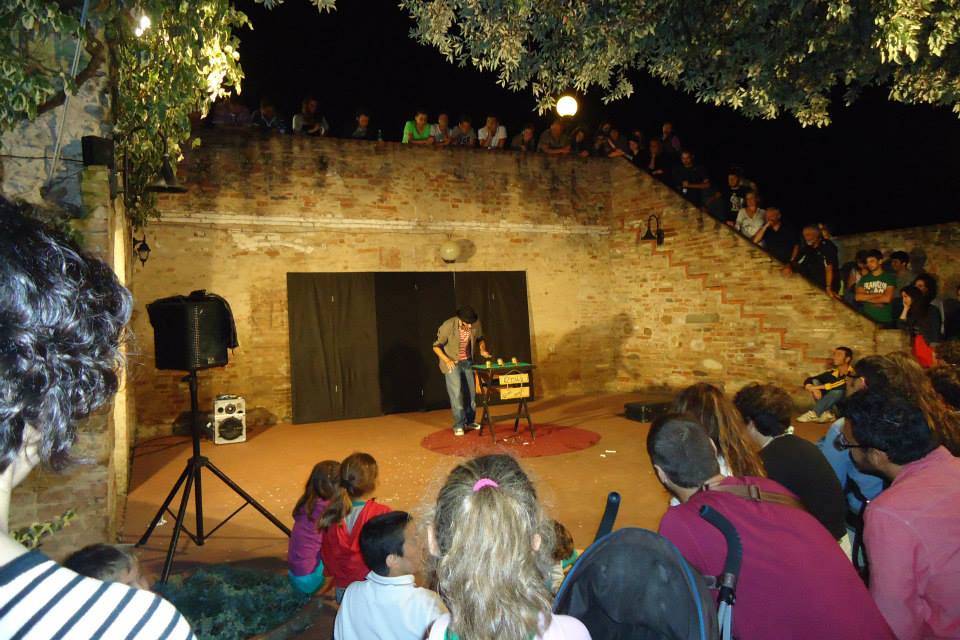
388,605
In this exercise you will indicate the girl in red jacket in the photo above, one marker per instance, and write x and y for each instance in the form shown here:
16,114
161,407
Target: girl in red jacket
343,519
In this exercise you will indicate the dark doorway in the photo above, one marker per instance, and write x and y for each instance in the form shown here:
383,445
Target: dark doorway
410,307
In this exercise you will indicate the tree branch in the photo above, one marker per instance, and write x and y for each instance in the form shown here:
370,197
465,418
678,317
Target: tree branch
97,57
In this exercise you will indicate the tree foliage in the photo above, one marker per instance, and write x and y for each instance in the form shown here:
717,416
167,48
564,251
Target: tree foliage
761,57
180,65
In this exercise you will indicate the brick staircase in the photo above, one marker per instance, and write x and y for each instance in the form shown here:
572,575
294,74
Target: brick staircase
786,327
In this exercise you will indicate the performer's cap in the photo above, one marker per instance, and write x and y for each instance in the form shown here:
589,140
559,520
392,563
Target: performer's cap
467,314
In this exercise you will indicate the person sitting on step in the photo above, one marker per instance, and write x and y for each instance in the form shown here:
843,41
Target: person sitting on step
828,388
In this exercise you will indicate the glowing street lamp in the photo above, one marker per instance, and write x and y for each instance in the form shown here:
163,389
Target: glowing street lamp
142,25
566,106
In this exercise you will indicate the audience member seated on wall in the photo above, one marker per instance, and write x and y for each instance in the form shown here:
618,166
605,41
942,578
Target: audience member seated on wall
526,140
463,135
920,319
615,146
579,143
229,112
361,129
417,131
490,543
751,218
946,382
108,563
912,528
900,265
658,163
736,194
829,388
736,452
690,179
310,121
777,238
793,462
600,138
795,581
638,155
669,140
62,318
493,135
816,259
388,605
856,271
441,130
876,289
927,284
267,118
553,141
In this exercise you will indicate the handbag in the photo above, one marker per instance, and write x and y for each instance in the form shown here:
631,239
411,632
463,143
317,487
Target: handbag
923,352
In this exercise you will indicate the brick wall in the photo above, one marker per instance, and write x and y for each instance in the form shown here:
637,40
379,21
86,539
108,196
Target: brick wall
91,485
934,248
606,313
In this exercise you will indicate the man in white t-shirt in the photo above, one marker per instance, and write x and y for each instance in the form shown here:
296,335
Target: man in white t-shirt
493,135
388,605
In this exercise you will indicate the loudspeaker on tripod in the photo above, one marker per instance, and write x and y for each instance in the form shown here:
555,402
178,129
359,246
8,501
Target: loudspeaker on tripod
229,419
192,332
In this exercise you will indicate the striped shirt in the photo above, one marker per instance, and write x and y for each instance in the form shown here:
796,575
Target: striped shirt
464,352
39,599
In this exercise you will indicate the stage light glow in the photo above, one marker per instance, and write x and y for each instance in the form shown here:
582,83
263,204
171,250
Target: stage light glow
567,106
145,22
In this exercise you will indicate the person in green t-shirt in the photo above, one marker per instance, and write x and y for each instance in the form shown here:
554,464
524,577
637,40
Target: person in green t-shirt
417,131
875,290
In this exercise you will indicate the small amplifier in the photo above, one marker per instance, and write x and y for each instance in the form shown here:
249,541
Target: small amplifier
229,419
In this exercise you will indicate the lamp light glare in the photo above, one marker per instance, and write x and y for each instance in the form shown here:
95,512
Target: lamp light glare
567,106
145,22
138,32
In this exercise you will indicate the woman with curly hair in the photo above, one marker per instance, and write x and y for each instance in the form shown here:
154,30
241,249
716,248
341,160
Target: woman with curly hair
492,550
914,385
737,453
62,318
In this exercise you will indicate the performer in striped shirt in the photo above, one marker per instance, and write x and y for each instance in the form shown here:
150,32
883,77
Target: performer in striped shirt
458,339
62,316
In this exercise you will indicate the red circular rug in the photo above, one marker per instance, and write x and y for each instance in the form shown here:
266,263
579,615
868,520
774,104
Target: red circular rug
551,440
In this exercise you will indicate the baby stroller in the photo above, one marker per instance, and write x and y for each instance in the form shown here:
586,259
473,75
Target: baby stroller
634,584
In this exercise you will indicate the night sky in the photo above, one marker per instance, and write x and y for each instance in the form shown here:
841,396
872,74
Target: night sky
880,165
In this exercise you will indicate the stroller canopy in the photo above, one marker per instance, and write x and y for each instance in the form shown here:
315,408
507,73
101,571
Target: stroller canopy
634,584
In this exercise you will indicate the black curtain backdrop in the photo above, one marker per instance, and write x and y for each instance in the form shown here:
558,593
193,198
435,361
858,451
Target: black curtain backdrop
333,346
500,298
410,307
361,344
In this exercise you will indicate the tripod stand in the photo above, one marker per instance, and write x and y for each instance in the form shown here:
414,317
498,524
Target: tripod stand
191,476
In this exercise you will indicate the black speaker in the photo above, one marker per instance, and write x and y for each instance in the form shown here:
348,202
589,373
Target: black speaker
191,332
97,151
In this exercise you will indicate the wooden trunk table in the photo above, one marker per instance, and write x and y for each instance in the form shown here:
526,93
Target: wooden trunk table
504,384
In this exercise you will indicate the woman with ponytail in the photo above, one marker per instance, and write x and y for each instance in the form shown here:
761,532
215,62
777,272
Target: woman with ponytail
350,508
491,547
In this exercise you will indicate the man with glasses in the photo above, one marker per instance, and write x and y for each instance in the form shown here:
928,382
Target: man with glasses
872,372
912,529
458,339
